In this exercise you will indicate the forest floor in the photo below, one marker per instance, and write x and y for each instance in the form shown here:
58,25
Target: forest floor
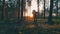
29,27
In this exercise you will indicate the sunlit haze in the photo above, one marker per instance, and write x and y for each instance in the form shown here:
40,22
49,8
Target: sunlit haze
34,6
31,8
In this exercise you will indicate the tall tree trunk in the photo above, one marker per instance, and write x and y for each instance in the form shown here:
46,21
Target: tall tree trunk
3,11
18,18
50,13
57,10
44,9
57,6
22,10
38,7
18,10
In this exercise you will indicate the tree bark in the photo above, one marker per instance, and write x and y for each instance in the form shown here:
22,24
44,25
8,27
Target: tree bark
50,13
44,9
38,7
57,10
3,11
18,10
22,10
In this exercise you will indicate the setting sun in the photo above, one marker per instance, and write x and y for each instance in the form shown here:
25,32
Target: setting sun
31,15
28,14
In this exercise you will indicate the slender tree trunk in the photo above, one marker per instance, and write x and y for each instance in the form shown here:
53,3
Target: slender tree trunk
18,10
18,18
57,6
44,9
38,7
3,11
22,10
50,13
6,13
57,10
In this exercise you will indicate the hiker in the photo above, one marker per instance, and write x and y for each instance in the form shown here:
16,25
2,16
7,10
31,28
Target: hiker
35,17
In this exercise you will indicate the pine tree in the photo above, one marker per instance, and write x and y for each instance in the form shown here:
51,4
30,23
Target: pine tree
3,9
50,13
22,10
44,9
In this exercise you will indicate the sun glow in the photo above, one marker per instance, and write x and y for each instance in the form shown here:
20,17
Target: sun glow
28,15
31,15
31,8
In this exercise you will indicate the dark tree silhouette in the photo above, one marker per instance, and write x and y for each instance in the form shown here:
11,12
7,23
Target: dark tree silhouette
22,10
3,11
44,9
18,18
57,10
50,13
57,7
18,2
38,7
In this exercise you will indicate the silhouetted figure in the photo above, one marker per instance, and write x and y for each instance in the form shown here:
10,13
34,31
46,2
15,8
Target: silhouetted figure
35,17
